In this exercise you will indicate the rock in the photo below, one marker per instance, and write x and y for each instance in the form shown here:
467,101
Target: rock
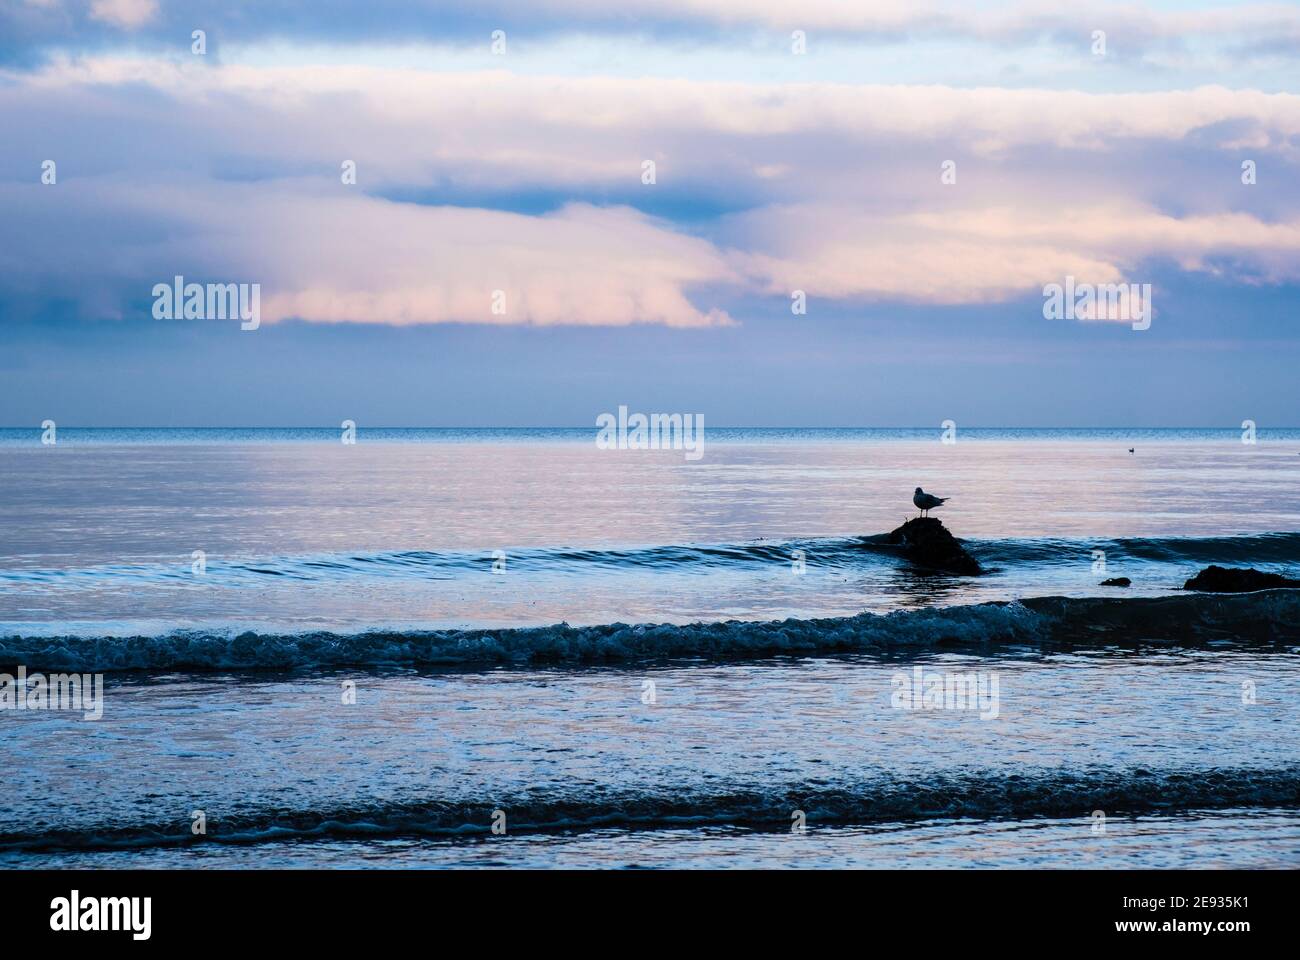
1117,582
1237,580
927,542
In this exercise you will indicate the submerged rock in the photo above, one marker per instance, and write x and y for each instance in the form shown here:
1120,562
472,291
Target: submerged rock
927,542
1237,580
1117,582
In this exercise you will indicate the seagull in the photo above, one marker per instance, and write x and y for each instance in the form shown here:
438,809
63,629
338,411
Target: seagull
926,502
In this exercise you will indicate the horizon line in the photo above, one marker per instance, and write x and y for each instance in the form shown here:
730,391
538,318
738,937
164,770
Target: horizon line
593,426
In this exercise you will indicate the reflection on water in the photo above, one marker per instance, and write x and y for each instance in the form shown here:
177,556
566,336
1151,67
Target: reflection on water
918,587
1228,840
736,744
350,536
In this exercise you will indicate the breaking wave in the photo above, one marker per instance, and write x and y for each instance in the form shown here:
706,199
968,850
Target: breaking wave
1269,616
983,795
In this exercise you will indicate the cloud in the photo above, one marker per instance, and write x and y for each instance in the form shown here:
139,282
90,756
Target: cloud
498,129
1134,28
379,262
345,257
128,14
231,174
988,255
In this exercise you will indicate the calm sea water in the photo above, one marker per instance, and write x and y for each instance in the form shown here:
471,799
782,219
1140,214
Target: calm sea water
639,659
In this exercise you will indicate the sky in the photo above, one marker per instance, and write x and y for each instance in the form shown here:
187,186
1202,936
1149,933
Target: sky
498,213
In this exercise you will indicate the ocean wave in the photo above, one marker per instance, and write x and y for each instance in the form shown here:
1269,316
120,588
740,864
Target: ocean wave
835,553
1269,616
428,564
1258,549
978,795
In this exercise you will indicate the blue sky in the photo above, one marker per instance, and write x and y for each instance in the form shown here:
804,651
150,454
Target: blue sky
522,171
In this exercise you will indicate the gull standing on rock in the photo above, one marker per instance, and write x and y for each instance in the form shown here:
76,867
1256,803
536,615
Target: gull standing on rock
925,502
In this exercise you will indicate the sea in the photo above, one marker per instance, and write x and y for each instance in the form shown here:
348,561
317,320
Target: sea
495,648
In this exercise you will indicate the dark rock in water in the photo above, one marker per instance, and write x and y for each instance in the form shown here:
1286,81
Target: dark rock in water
1237,580
1117,582
926,541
